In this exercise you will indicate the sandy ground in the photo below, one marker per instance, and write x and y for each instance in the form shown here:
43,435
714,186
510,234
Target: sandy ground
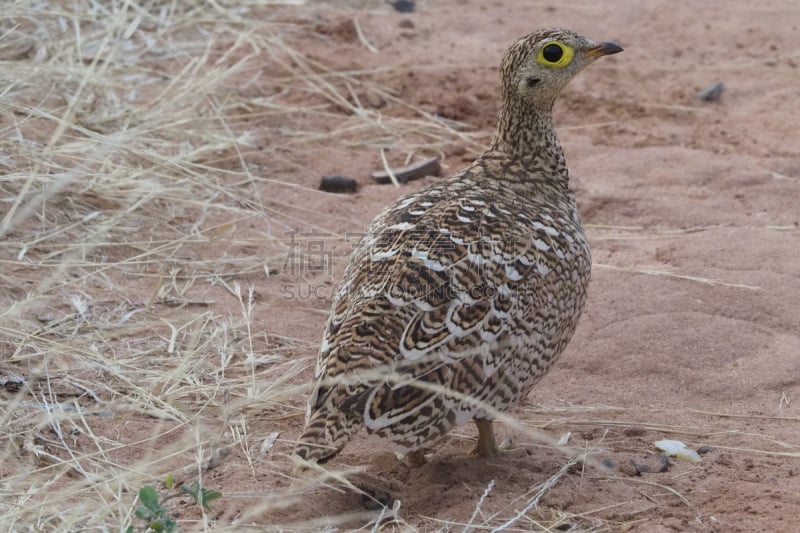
692,330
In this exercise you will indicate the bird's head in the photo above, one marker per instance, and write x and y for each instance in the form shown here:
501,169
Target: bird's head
538,66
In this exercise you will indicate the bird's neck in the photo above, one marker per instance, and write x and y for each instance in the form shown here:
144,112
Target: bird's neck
526,134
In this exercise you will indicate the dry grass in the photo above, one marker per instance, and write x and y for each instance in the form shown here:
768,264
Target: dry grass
123,155
127,132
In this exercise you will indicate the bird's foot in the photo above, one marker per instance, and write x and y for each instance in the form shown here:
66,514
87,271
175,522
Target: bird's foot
487,446
505,449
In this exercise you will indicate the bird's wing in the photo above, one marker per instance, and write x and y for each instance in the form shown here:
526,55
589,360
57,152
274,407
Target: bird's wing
427,297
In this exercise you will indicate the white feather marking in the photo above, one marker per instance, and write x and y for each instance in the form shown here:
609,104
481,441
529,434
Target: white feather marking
387,419
380,256
397,302
500,314
546,229
402,226
541,245
428,262
463,416
488,336
478,259
405,203
423,305
497,258
417,212
463,219
413,355
465,297
454,328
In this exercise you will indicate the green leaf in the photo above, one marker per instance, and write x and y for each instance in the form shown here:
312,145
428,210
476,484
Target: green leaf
207,496
200,495
191,490
149,498
170,481
144,514
129,530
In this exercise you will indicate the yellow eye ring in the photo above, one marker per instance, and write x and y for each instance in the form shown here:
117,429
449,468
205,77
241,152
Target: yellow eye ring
555,54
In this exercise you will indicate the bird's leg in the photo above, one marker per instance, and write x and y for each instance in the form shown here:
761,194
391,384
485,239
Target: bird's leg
486,446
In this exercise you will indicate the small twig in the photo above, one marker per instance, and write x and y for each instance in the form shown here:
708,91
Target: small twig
550,483
680,496
420,169
664,273
218,456
389,172
477,510
362,37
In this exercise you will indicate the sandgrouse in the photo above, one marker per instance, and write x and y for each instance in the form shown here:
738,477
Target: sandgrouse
462,294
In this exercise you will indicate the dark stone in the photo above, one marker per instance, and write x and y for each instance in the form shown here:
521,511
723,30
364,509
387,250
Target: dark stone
404,6
650,464
712,93
339,184
426,167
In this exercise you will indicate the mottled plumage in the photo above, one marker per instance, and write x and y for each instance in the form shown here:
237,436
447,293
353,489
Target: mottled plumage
462,294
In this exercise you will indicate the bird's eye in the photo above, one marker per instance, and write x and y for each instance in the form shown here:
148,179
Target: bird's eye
552,53
555,54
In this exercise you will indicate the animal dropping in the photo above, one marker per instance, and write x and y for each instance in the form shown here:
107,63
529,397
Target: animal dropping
461,295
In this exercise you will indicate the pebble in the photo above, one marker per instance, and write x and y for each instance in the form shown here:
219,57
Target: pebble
652,464
338,184
12,383
712,93
404,6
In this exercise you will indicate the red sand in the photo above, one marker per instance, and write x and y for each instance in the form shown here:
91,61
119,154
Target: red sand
691,330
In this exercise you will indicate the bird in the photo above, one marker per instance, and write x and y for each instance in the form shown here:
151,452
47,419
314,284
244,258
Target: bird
461,295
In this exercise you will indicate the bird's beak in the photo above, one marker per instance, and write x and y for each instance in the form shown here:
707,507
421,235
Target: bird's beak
603,49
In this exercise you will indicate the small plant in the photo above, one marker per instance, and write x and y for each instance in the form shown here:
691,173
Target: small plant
200,495
154,512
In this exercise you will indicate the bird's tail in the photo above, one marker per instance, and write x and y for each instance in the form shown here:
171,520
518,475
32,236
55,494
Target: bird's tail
325,434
